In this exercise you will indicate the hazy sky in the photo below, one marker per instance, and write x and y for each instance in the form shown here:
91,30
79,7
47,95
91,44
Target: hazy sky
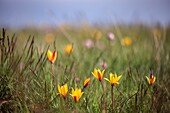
37,12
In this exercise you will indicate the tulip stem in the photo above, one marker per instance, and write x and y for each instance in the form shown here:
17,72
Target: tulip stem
52,71
112,99
102,86
146,91
103,96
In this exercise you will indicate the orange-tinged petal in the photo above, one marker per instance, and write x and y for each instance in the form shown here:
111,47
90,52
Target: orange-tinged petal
86,82
151,80
75,98
76,94
154,79
51,56
54,56
98,74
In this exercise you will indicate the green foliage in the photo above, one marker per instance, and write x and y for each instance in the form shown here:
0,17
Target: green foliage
28,84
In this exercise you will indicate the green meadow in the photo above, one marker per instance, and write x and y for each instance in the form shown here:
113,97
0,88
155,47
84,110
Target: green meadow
29,81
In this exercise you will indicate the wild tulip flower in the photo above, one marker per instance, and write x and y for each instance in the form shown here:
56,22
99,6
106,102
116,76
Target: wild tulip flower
76,94
52,56
126,41
68,49
98,74
86,82
63,90
114,79
151,80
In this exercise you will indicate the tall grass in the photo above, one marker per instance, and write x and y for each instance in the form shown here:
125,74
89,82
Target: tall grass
26,79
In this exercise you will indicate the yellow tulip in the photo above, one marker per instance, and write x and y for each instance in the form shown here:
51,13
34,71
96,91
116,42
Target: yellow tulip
68,49
63,90
52,56
98,74
76,94
113,79
151,80
126,41
86,82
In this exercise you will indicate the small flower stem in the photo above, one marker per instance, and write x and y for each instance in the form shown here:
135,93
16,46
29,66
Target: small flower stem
112,99
146,91
103,96
52,71
83,89
102,86
65,104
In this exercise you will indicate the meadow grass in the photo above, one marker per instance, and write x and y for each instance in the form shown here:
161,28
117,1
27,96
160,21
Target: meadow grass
28,84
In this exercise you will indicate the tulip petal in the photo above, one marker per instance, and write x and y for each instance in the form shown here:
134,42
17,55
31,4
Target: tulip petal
148,79
49,55
118,78
54,56
107,79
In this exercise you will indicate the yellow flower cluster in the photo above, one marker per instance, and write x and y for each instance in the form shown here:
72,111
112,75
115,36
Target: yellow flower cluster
76,94
113,77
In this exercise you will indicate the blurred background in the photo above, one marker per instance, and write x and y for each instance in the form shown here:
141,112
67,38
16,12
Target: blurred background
22,13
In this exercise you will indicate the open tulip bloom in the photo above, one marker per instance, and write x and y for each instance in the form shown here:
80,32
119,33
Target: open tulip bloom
63,90
151,80
98,74
114,79
52,56
76,94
